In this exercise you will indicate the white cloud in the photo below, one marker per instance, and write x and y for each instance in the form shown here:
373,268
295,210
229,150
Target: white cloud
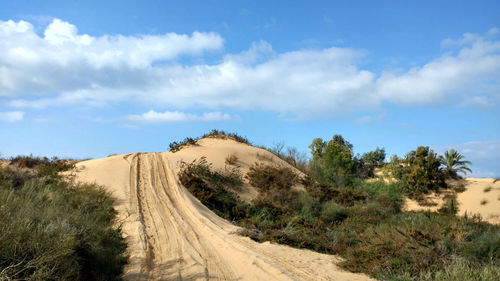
65,61
481,149
479,101
449,78
11,116
367,119
64,67
475,150
177,116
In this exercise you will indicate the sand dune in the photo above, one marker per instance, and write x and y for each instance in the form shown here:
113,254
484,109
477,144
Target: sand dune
481,196
172,236
476,199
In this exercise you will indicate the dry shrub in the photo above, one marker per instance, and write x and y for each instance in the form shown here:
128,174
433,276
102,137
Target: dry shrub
221,134
264,157
267,177
232,159
213,187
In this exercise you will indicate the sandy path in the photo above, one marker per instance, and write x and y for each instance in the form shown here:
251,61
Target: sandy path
172,236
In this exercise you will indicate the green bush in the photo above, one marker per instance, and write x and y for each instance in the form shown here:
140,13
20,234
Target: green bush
53,229
450,206
391,195
333,212
484,247
420,171
333,161
326,192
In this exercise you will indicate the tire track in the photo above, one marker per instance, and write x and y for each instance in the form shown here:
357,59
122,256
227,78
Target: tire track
137,183
163,220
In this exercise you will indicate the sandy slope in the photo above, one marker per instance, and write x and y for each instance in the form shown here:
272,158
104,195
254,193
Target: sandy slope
474,200
172,236
217,150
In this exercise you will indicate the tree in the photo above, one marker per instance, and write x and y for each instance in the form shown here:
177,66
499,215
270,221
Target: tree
375,157
453,163
420,171
333,161
317,147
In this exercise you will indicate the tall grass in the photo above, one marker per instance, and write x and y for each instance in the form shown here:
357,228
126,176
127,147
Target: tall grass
462,270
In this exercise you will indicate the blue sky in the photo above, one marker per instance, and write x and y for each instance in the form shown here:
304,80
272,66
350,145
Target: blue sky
91,78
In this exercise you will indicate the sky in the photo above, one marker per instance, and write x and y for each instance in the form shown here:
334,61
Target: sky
86,79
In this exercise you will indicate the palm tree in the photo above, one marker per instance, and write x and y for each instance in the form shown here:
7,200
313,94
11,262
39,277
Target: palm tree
453,163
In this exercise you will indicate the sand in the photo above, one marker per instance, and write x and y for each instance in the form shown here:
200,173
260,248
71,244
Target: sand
471,200
172,236
476,199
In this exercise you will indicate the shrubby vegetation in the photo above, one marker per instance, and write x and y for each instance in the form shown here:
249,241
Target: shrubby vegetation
266,177
333,161
221,134
54,229
419,172
461,269
232,160
176,146
340,213
213,188
291,155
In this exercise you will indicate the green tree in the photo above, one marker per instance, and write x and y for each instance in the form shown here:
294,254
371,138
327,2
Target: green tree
317,147
375,157
420,171
453,163
424,172
333,161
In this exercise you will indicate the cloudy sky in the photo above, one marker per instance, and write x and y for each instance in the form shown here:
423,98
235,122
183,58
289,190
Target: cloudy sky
90,78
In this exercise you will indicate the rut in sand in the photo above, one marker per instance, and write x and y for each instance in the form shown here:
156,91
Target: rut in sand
172,236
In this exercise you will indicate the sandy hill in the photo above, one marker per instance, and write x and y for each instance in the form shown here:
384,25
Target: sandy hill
217,150
481,196
172,236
